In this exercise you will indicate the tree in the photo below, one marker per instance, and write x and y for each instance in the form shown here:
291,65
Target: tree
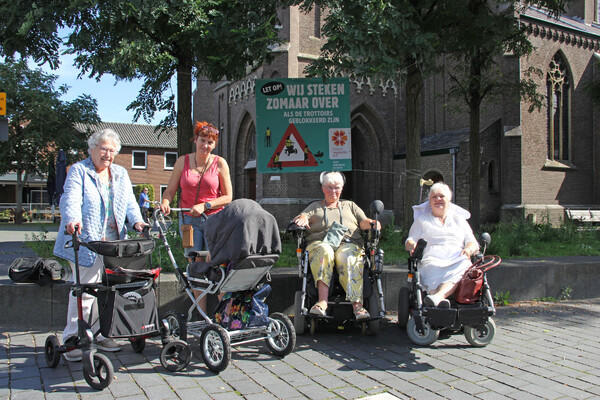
389,40
151,40
487,31
39,124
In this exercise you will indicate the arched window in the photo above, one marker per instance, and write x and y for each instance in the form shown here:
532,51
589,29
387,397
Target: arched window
559,110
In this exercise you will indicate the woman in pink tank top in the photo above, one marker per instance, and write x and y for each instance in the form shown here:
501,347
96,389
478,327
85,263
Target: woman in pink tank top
205,185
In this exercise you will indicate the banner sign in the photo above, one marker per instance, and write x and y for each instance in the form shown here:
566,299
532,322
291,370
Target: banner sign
303,125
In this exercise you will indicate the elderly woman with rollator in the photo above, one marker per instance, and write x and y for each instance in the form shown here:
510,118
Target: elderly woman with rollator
334,240
450,244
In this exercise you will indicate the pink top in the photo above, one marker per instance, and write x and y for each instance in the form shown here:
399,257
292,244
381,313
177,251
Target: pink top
209,189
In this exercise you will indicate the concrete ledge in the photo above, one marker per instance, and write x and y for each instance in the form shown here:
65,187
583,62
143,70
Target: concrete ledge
29,306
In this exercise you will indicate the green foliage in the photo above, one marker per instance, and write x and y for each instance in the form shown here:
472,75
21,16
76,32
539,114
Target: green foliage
39,123
525,239
502,298
566,292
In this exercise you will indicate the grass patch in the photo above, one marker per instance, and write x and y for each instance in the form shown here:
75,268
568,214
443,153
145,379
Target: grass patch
520,239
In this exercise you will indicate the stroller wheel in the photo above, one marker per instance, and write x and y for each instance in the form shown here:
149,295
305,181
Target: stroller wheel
373,312
299,318
403,307
284,340
138,344
313,325
426,338
51,351
104,372
481,336
175,325
216,350
176,355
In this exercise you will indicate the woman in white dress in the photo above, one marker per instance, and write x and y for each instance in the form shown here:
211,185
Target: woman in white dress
450,244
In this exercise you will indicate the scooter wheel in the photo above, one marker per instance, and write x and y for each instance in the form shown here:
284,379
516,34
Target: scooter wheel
104,372
299,318
51,351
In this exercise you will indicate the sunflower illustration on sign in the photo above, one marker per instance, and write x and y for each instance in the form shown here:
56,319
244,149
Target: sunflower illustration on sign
339,138
340,144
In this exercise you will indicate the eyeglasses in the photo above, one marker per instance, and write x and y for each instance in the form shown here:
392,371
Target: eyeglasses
333,188
105,150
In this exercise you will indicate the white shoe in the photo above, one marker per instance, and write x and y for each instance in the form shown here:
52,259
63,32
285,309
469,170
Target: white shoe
431,300
73,355
108,345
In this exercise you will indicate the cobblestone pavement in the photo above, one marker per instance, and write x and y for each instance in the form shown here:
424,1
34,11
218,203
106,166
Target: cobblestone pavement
540,351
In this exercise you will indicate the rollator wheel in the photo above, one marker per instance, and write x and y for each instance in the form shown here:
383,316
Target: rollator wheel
51,351
428,336
481,336
403,307
284,341
104,372
373,312
299,318
176,326
175,355
138,344
216,350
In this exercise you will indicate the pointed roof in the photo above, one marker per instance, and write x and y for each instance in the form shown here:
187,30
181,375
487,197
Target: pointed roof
136,135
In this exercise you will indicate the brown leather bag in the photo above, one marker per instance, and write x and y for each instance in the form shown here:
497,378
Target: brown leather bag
469,287
188,236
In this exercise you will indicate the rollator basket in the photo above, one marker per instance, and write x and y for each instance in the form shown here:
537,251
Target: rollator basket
128,310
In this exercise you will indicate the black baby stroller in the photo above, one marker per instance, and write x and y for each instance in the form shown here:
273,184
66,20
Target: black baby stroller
244,245
423,324
126,301
339,310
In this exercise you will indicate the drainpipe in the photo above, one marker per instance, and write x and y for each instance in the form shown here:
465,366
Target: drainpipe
454,152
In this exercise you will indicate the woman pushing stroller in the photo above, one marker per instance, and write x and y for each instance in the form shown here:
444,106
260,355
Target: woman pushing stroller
334,240
450,244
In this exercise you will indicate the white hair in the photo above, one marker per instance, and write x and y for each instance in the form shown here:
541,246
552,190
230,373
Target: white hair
334,177
441,187
105,135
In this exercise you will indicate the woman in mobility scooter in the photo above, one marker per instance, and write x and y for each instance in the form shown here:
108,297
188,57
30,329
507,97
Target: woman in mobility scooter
331,246
441,244
245,244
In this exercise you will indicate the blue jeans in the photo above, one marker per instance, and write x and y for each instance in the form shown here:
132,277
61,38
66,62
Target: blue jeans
197,227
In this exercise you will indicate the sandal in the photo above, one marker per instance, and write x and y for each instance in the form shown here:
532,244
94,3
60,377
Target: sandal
361,313
318,309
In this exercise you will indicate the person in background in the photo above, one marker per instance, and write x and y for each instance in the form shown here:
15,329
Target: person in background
347,256
205,186
98,198
144,202
450,244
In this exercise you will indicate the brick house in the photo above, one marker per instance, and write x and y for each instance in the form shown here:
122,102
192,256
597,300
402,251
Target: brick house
534,165
147,155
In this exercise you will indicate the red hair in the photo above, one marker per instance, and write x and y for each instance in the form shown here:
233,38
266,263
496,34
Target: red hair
206,129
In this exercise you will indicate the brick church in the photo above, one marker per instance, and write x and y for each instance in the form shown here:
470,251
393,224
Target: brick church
535,165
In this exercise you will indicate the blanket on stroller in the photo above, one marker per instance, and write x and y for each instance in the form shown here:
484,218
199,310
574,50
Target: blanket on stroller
243,228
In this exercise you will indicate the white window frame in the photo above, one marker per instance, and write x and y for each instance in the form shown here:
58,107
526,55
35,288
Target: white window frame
165,158
133,166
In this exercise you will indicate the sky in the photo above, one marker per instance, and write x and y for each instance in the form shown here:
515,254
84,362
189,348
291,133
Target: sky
113,97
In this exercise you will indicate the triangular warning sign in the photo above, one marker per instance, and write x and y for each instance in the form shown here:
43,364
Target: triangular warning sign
292,151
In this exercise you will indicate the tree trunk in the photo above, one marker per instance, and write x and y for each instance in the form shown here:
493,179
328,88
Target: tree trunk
414,89
475,153
184,107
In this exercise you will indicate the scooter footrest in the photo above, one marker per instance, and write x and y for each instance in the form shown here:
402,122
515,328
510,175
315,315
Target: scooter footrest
441,317
473,316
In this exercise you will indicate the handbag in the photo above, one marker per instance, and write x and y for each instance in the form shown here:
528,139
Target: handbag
336,231
469,286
